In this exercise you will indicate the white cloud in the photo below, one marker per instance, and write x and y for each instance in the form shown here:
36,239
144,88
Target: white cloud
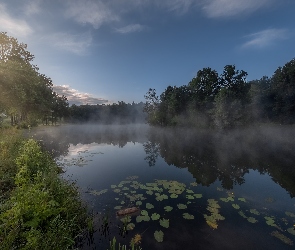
76,97
75,43
14,26
265,38
229,8
90,12
130,28
32,7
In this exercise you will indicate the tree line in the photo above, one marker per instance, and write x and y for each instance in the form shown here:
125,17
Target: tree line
225,100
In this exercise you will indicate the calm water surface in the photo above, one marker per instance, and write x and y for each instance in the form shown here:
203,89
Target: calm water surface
229,190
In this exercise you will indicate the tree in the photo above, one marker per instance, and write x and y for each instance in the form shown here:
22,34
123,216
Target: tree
151,107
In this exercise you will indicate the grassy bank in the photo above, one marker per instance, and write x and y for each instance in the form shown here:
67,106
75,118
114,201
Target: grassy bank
39,210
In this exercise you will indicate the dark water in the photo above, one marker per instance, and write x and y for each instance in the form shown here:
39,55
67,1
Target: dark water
227,190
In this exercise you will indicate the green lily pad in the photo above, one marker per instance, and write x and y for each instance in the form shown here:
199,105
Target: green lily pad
252,220
97,193
118,207
254,211
138,203
198,196
194,184
291,230
242,199
116,199
230,199
144,212
122,202
189,191
113,186
181,206
224,199
125,188
236,206
164,223
190,197
188,216
282,237
126,219
168,208
159,235
149,206
290,214
173,196
139,218
117,190
149,192
242,214
155,216
161,197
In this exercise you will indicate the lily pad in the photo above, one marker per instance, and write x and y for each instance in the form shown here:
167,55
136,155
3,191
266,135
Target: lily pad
198,196
190,197
194,184
189,191
117,190
254,211
188,216
138,203
149,192
118,207
282,237
252,220
161,197
149,206
113,186
159,235
236,206
242,199
224,199
155,216
181,206
291,230
164,223
290,214
168,208
242,214
126,219
144,212
173,196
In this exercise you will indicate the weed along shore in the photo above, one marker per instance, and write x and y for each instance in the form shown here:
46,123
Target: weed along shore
39,210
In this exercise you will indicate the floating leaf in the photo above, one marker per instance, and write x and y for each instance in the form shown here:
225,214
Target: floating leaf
149,206
130,226
155,216
194,184
122,202
217,216
113,186
164,223
254,211
126,219
230,199
282,237
173,196
242,199
139,219
133,192
138,203
149,192
290,214
198,196
116,199
159,235
190,197
117,190
161,197
181,206
242,214
252,220
189,191
236,206
118,207
144,212
291,230
188,216
224,199
168,208
97,193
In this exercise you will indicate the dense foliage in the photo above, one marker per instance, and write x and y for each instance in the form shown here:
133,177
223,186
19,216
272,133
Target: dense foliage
120,113
39,210
25,94
226,100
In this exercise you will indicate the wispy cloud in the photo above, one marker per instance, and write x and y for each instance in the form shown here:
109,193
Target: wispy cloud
76,97
15,27
75,43
230,8
90,12
32,7
265,38
130,28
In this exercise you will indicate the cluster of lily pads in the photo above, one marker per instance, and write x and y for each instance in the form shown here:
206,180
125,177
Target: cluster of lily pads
82,159
131,192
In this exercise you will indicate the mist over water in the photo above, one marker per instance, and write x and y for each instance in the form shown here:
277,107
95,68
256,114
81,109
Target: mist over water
255,164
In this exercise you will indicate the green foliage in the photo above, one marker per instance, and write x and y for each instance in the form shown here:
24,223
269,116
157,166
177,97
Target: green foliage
44,211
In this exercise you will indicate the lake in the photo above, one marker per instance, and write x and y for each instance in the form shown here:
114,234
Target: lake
195,189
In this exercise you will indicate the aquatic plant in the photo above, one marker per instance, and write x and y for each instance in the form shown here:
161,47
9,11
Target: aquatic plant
164,223
188,216
155,216
159,235
168,208
282,237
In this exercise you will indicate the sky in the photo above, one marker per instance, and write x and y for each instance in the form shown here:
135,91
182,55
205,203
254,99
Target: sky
105,51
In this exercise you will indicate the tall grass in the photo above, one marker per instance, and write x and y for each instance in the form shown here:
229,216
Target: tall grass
39,210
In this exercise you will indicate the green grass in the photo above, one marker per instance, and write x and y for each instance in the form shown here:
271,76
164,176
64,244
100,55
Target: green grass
39,210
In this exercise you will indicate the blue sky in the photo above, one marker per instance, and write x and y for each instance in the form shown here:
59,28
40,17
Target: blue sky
104,51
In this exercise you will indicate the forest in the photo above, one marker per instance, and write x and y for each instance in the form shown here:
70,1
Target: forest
226,100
